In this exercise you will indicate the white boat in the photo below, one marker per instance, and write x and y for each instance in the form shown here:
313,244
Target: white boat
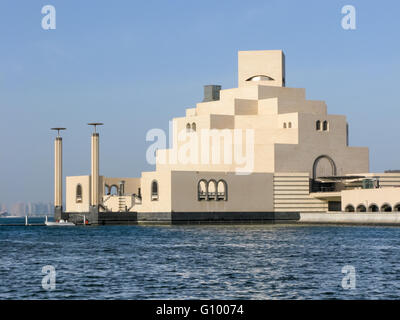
61,223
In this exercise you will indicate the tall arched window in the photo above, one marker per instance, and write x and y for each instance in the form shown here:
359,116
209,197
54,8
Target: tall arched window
188,127
154,190
202,189
289,125
193,126
106,189
78,193
325,126
211,189
284,125
222,192
318,125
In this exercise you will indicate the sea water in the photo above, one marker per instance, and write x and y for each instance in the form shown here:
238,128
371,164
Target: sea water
199,262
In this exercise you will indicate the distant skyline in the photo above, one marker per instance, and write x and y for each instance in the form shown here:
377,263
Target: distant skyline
136,65
27,208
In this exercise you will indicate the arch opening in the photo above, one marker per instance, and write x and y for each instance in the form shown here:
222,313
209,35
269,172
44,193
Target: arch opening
324,166
222,193
361,208
202,189
386,208
211,189
78,193
154,190
373,208
325,126
113,190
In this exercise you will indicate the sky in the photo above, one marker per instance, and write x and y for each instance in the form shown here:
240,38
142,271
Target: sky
134,65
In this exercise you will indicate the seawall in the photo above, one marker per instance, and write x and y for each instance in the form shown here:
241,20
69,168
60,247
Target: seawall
131,218
338,218
356,218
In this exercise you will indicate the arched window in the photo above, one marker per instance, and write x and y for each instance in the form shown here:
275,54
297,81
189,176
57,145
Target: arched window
106,189
386,208
222,190
318,125
325,125
361,208
202,190
289,125
211,189
373,208
397,207
349,208
188,127
114,190
154,190
284,125
78,193
193,126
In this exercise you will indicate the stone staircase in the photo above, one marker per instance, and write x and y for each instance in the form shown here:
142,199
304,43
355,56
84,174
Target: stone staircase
121,204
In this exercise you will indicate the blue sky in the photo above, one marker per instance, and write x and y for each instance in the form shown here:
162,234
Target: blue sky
136,64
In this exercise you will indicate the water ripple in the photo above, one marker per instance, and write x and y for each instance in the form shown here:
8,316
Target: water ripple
200,262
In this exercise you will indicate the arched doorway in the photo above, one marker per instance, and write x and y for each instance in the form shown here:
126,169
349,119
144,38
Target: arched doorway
349,208
324,166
